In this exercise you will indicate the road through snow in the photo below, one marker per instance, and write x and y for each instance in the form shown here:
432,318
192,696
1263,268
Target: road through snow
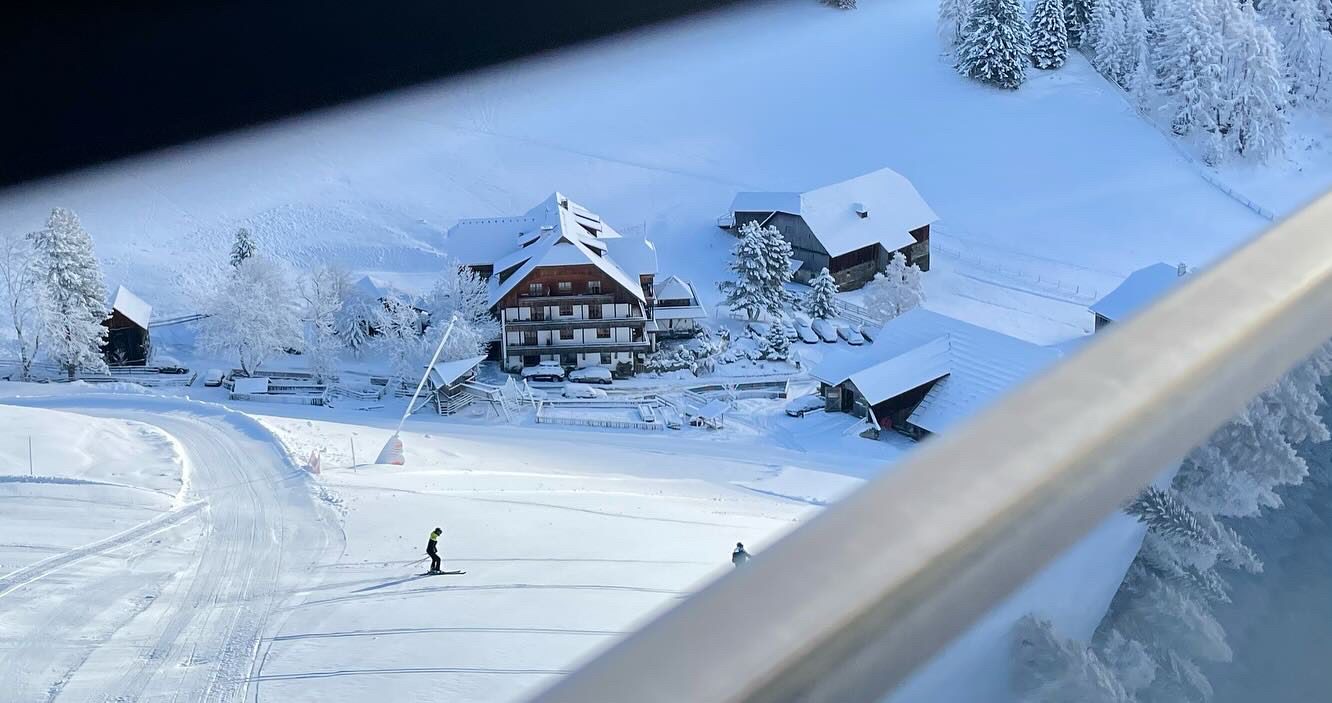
175,614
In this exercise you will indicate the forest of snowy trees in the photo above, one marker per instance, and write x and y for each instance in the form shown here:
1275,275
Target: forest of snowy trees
1223,74
1161,631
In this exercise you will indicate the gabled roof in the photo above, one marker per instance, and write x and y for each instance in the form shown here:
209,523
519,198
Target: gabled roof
892,204
1138,290
974,366
447,372
555,232
675,288
132,307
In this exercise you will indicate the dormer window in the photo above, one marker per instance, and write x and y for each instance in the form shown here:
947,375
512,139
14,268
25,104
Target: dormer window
861,211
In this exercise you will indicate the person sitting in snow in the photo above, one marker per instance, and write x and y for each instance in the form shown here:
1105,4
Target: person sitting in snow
432,549
739,555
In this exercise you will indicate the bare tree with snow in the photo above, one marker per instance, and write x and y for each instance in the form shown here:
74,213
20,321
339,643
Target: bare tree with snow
401,338
841,4
952,18
463,296
20,283
325,293
253,314
72,300
895,291
996,42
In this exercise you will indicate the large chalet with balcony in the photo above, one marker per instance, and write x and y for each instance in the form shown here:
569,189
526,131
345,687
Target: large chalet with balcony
568,289
851,228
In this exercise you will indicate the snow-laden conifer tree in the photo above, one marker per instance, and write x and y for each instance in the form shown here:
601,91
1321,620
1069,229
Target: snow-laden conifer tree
253,314
841,4
758,288
1257,93
72,300
822,296
996,43
953,16
1189,61
242,247
325,292
1051,669
462,293
777,346
1305,47
1077,13
896,290
1049,35
20,286
1116,29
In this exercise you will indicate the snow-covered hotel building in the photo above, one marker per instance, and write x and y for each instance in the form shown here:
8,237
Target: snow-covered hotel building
568,288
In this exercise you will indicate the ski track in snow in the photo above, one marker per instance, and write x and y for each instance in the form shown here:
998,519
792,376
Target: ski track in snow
195,636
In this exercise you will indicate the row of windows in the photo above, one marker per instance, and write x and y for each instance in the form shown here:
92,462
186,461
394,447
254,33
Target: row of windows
566,359
564,287
530,337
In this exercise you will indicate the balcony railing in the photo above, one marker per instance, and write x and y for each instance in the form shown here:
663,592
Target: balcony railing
577,323
571,347
851,603
574,297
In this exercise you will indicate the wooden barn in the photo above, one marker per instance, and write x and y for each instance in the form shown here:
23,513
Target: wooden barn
1137,291
127,342
925,372
852,228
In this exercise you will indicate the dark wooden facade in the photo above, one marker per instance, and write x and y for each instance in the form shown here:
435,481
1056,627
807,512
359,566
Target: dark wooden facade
127,344
890,414
851,270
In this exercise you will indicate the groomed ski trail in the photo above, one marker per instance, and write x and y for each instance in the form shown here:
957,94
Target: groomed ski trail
180,619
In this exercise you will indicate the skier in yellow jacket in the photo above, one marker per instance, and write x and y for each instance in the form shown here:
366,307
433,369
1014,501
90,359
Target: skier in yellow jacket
432,549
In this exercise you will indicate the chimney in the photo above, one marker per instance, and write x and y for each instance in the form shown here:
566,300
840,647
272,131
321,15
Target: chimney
861,210
1181,269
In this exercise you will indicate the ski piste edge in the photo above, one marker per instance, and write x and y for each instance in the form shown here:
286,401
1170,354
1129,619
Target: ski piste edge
442,573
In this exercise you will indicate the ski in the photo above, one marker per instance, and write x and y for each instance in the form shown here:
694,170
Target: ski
442,573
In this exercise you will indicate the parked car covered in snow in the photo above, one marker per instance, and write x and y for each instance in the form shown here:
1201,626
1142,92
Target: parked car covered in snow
574,390
825,331
591,374
790,329
806,334
869,332
851,335
804,405
544,372
213,378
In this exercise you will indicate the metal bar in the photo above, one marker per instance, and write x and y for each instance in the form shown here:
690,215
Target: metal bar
849,604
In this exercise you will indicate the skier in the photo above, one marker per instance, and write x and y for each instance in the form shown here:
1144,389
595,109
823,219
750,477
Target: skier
739,555
433,551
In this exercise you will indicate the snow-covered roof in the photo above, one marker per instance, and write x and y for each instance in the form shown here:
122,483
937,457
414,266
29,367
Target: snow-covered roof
374,288
975,365
447,372
1138,290
683,312
250,386
712,410
892,204
132,307
675,288
555,232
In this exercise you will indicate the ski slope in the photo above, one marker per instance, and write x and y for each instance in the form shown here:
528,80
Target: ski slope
172,609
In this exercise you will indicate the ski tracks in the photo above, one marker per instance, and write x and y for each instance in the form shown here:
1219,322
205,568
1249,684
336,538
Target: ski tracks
197,635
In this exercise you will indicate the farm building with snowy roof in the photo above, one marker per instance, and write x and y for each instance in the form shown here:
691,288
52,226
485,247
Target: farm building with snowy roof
568,289
925,372
1136,292
127,339
851,228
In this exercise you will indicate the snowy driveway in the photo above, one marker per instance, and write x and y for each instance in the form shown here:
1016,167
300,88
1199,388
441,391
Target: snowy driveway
176,613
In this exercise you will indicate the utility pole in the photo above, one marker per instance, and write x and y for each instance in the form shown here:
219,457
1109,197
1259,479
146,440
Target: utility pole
353,448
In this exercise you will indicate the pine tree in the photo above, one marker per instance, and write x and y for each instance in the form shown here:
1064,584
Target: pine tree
1049,35
1051,669
242,248
1111,44
841,4
72,294
952,18
1305,46
995,44
822,296
1077,13
778,346
1256,125
777,254
761,264
1189,60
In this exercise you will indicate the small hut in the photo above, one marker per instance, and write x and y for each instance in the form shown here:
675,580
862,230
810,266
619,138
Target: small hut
127,340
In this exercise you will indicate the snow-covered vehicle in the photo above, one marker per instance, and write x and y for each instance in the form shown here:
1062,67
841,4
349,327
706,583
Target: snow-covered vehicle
591,374
806,334
574,390
790,329
804,405
544,372
851,335
758,329
825,331
213,378
869,332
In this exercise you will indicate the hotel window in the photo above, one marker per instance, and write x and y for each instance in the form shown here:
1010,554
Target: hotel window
605,359
566,310
566,334
603,333
534,289
566,287
594,287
